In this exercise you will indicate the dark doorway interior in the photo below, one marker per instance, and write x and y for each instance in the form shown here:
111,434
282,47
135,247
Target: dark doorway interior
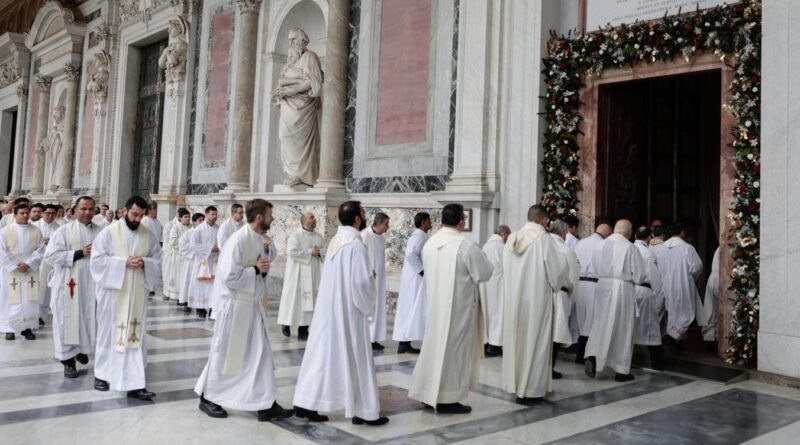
12,146
659,154
147,149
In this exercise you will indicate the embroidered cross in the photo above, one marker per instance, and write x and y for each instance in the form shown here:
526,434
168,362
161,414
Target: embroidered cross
133,338
32,281
71,286
14,284
121,328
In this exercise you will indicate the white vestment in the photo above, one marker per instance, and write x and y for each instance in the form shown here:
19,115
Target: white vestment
564,296
571,241
172,264
19,307
203,240
534,269
187,255
168,260
619,268
301,279
584,305
73,290
680,268
449,364
103,223
6,220
123,369
338,371
708,312
492,292
409,319
157,230
649,301
226,230
239,371
44,268
376,248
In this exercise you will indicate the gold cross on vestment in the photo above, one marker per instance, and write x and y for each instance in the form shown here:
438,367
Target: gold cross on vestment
14,284
121,328
133,338
32,281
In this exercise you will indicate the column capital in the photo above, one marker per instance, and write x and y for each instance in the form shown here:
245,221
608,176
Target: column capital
22,93
72,72
249,6
44,83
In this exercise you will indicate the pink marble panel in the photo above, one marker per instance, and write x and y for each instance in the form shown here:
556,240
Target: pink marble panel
218,77
34,113
403,68
85,162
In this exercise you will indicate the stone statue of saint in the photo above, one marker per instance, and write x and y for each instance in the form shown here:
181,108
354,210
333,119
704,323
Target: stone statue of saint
52,145
298,95
173,58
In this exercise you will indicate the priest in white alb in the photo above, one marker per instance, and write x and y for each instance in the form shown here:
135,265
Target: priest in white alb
584,304
649,302
534,269
9,218
125,264
563,298
619,268
73,289
47,225
21,251
449,363
492,293
231,225
239,371
206,251
172,260
708,310
187,271
338,372
376,247
409,318
304,253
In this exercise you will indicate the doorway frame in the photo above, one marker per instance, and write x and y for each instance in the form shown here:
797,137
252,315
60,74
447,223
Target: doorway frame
590,194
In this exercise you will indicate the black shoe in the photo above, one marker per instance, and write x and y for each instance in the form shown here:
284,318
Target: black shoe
404,347
212,409
492,350
10,336
201,313
82,359
152,293
286,331
623,377
657,357
590,367
182,304
312,416
453,408
28,334
166,298
580,349
274,413
557,375
670,343
302,332
209,312
100,385
187,309
377,346
529,401
69,369
379,421
41,322
141,394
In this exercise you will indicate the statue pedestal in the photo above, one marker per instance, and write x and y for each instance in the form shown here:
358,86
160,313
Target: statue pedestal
281,188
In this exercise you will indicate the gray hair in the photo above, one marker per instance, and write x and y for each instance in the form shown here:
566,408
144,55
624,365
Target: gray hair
502,228
379,218
559,227
297,32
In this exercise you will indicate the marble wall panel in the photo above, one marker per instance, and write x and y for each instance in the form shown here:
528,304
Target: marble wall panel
32,124
87,138
218,88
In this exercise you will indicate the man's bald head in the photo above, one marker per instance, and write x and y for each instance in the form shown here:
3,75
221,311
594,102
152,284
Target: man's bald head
604,230
623,227
308,221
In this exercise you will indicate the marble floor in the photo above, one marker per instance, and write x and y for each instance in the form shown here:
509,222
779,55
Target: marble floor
38,405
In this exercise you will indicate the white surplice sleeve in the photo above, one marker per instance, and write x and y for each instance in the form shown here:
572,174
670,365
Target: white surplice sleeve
56,253
414,254
361,282
107,270
152,265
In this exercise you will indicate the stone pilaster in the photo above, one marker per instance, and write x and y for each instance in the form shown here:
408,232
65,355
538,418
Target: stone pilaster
244,91
42,123
67,158
334,99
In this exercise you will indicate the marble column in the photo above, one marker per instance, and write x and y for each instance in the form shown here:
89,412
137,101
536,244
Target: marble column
67,159
244,91
37,183
334,100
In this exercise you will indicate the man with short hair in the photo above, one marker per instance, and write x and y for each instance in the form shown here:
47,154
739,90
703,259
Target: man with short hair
36,212
47,225
125,263
584,305
338,371
172,265
409,319
376,248
9,217
534,269
187,273
619,269
106,220
101,215
659,235
492,293
239,374
305,250
21,250
573,223
649,302
564,298
234,223
72,288
206,252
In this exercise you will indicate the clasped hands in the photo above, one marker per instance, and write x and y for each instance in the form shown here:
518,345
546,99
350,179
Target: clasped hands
134,262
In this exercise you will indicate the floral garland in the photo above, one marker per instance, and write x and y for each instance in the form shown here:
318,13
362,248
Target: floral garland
733,32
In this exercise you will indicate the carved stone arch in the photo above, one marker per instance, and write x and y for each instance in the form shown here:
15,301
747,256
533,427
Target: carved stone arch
279,29
52,19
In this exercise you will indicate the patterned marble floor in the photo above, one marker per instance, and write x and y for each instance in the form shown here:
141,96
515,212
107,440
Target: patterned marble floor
38,405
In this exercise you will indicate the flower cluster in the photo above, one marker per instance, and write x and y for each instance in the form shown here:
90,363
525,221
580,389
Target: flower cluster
733,32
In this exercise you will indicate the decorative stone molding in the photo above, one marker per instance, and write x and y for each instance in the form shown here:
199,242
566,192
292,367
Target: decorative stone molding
184,7
173,58
9,72
249,6
128,9
104,35
22,93
98,84
69,17
44,83
72,72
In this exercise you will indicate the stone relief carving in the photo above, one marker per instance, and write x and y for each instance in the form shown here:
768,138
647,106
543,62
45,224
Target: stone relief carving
72,72
183,6
9,73
52,145
44,83
173,58
22,93
128,9
104,35
98,84
249,6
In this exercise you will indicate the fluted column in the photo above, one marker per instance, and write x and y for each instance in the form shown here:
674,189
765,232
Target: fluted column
42,123
244,91
67,157
334,101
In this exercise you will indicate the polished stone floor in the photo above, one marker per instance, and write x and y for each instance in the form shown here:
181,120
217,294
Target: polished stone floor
38,405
